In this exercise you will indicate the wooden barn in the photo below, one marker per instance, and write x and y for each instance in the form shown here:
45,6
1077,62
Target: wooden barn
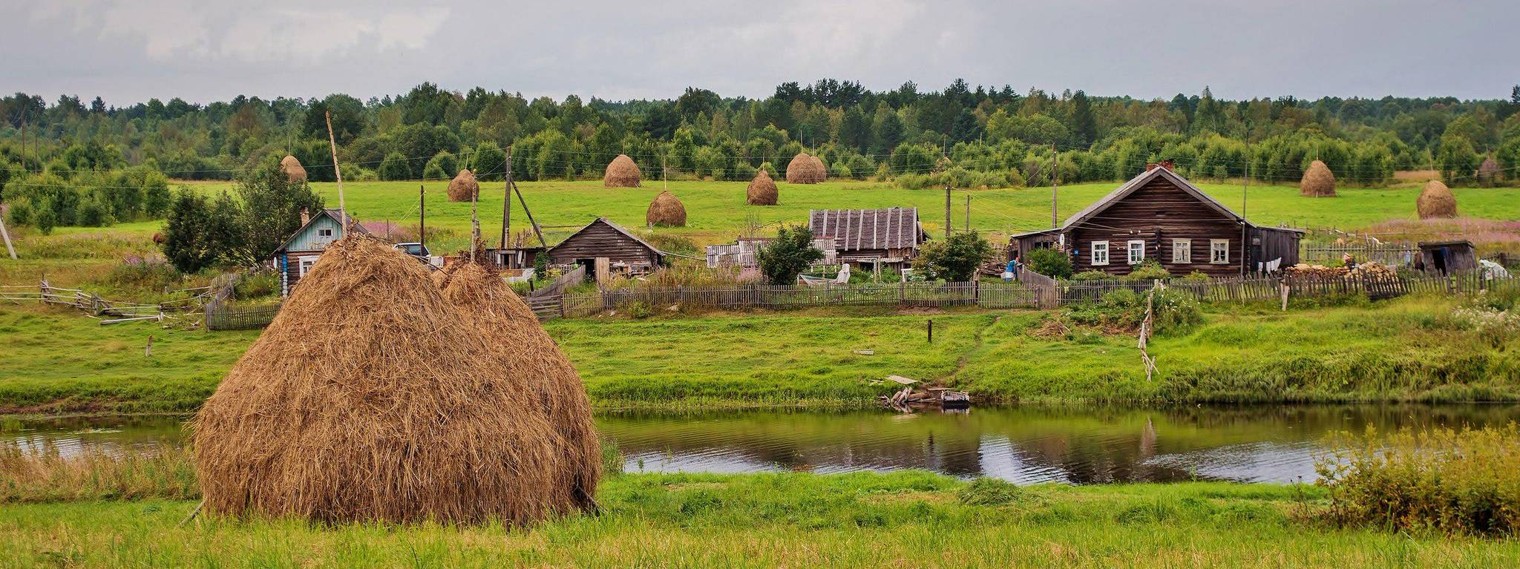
889,236
299,253
1446,257
1160,215
624,252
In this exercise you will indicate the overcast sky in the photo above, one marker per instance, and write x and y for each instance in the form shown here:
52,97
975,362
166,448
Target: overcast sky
206,50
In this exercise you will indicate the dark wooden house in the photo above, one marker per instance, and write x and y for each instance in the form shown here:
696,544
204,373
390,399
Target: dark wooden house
889,236
624,251
299,253
1446,257
1159,215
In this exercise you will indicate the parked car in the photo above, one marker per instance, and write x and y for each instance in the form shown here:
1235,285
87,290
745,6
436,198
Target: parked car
417,250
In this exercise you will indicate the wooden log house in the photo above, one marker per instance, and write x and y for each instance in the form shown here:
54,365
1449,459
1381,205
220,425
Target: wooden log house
300,252
1160,215
602,239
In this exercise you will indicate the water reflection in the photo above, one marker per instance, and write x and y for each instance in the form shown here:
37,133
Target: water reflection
1024,445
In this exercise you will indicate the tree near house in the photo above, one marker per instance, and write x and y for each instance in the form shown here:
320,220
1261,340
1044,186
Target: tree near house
955,259
788,256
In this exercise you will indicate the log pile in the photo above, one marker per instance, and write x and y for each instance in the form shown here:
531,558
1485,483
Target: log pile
909,399
1371,271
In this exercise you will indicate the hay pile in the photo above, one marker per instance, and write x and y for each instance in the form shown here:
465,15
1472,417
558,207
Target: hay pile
805,169
1318,181
463,187
666,211
372,398
761,190
292,169
1436,200
523,350
621,173
1488,172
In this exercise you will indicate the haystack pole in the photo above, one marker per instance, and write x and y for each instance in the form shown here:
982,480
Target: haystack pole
506,203
332,143
7,236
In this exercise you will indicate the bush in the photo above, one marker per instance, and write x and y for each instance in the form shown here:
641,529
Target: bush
1172,311
788,256
1148,270
1091,275
955,259
151,273
1049,262
257,284
394,167
989,492
1458,482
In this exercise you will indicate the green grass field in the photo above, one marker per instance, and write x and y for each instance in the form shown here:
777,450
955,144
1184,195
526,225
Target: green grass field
1405,350
908,519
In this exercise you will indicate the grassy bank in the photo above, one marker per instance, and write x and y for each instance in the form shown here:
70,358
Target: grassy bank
857,520
1404,350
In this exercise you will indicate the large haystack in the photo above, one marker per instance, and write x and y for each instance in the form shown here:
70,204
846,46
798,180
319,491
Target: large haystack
666,211
1436,200
1318,181
761,190
463,187
523,349
805,169
292,169
823,169
372,398
621,173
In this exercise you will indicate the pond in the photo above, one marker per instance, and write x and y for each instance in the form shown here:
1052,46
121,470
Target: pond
1020,444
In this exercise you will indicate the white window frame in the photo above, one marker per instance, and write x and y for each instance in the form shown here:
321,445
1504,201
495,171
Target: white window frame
1135,251
1098,260
1185,247
1218,247
304,264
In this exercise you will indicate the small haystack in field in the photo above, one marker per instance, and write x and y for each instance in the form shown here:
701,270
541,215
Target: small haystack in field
621,173
761,190
292,169
666,211
805,169
1436,200
463,187
1318,181
521,348
372,398
1488,172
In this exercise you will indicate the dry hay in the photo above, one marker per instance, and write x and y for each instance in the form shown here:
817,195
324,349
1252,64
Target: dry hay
761,190
292,169
805,169
1318,181
666,211
823,170
522,349
463,187
621,173
372,398
1488,171
1436,200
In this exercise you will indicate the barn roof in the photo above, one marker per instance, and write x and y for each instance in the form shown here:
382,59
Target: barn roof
353,224
855,229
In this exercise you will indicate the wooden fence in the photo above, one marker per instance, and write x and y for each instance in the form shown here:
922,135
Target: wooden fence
931,295
1391,254
92,303
231,315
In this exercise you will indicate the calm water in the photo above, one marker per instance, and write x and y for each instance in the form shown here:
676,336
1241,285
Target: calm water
1024,445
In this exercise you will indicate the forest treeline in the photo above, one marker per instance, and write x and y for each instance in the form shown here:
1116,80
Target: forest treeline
960,135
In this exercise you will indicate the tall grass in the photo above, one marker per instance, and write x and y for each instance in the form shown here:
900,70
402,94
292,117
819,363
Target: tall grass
46,474
1463,481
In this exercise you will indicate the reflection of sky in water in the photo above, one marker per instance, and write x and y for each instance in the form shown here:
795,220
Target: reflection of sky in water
1250,462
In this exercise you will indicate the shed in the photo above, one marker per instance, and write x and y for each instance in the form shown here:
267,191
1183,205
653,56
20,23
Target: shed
624,251
1447,257
1160,215
299,253
888,236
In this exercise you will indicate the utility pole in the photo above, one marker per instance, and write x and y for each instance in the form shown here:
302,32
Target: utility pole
947,211
1054,218
421,216
967,226
7,235
506,204
474,223
332,143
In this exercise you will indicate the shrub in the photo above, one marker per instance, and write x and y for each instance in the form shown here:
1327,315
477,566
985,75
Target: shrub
1049,262
1148,270
989,492
955,259
1091,275
152,273
257,284
1172,311
788,256
1458,482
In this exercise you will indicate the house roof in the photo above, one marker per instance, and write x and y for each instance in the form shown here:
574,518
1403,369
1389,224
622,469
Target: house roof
1445,243
329,213
855,229
1140,181
615,227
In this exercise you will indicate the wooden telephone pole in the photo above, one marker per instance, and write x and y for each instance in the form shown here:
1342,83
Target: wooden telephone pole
947,212
422,216
1055,220
332,143
506,204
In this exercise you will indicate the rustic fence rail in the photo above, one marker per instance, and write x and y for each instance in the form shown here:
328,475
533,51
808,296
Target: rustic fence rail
1392,254
232,315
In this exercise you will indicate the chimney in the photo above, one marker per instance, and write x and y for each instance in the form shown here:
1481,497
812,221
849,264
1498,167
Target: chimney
1166,164
1163,164
305,217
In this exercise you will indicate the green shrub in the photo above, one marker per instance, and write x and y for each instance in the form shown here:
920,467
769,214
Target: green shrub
1197,276
1148,270
1049,262
1091,275
144,273
639,309
989,492
1458,482
257,284
1172,311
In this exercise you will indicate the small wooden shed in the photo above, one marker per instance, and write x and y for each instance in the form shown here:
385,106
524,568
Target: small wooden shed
299,253
1447,257
603,239
889,237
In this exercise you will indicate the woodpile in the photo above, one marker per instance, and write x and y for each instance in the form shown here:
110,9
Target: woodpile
909,399
1374,271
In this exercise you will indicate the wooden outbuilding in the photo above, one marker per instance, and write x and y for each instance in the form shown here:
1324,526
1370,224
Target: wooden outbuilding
1160,215
889,237
299,253
602,239
1446,257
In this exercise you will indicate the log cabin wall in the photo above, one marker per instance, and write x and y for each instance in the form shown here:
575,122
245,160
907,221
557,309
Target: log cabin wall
602,240
1157,215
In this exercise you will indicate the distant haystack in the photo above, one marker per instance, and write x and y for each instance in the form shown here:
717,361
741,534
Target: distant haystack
372,398
823,169
666,211
805,169
1318,181
292,169
761,190
621,173
1488,172
1436,200
463,187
